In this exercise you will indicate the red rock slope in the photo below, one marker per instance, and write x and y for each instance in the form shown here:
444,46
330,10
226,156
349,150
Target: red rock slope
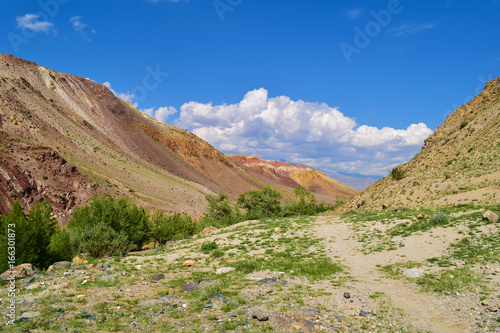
294,175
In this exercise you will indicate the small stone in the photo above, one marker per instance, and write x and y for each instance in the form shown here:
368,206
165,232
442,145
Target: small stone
188,263
260,316
138,267
224,270
268,280
490,216
110,277
364,313
31,314
107,267
216,302
347,295
413,273
208,230
158,277
78,261
28,281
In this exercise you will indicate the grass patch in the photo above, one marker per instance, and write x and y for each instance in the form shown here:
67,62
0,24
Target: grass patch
450,280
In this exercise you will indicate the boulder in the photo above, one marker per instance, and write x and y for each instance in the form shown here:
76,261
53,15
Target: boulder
59,265
217,302
78,261
188,263
19,272
490,216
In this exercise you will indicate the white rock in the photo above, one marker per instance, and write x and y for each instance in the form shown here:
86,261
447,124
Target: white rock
224,270
413,273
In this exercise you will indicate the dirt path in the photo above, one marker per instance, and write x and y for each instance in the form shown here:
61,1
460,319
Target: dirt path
425,312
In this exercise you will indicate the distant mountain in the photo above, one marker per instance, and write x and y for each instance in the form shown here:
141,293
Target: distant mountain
291,175
102,143
458,164
353,180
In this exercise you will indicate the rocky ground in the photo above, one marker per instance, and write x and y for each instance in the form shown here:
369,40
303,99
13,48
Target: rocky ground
362,272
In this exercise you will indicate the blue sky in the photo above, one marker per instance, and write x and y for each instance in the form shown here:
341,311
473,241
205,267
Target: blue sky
352,86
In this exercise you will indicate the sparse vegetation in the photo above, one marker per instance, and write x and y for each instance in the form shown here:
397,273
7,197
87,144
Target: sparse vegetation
398,173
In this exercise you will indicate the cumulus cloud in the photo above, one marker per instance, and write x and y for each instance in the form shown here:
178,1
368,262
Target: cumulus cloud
161,114
81,28
32,22
125,96
310,133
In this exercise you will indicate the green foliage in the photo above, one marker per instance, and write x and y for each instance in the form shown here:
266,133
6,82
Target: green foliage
207,246
101,240
134,222
452,280
221,213
33,233
259,204
122,216
439,218
60,246
306,204
219,206
165,228
397,173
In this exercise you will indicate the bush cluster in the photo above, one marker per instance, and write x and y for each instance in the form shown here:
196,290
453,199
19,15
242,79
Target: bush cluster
38,237
110,227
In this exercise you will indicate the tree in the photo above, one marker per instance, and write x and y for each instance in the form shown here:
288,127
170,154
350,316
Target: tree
32,234
219,206
166,228
258,204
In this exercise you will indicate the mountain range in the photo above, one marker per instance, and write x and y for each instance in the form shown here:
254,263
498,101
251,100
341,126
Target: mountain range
64,138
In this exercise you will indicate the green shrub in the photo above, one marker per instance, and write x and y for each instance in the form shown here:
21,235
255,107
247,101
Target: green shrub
60,246
101,240
165,228
397,173
207,246
439,218
259,204
33,233
217,253
122,216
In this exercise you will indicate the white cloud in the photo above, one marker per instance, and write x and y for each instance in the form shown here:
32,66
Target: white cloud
410,29
161,114
32,22
80,27
125,96
301,132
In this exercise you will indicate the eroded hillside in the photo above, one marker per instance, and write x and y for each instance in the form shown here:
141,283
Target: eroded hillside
111,142
459,163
